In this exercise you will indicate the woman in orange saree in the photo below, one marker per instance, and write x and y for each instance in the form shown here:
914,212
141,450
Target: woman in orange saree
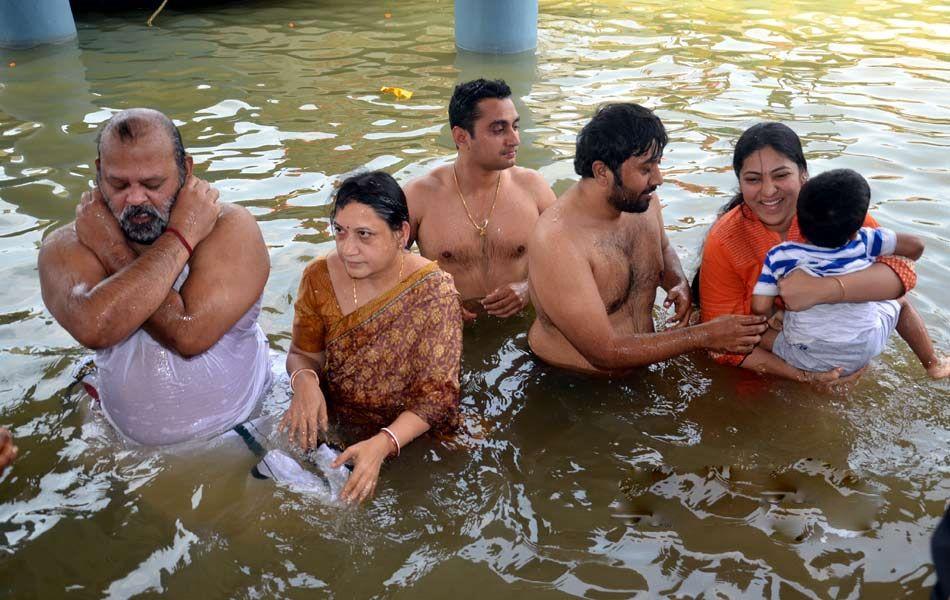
381,329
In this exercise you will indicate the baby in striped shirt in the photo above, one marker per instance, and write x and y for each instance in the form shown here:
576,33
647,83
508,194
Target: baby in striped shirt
831,209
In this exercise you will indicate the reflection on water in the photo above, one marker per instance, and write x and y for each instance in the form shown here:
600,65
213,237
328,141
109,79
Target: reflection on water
684,480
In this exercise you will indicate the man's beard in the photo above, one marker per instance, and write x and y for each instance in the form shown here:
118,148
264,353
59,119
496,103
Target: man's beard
149,231
620,197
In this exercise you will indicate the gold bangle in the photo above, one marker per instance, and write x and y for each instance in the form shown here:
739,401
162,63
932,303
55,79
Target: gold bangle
298,372
840,285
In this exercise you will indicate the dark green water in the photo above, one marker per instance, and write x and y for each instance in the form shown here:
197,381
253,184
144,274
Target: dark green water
687,480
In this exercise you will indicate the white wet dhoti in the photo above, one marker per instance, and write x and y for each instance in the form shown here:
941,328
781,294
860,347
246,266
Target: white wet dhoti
154,396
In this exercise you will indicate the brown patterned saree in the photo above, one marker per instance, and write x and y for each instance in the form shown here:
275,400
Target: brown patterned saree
399,352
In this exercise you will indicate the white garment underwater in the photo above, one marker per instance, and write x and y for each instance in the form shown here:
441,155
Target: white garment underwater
154,396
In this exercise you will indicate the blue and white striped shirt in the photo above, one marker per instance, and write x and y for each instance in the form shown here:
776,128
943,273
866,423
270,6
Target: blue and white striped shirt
857,254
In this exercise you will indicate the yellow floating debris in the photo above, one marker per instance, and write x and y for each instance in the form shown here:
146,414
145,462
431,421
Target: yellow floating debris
13,64
399,93
388,15
291,24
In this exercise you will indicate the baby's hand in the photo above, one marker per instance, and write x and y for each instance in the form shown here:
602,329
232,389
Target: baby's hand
776,320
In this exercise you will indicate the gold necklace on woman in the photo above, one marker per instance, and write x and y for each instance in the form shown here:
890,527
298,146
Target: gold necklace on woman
402,263
483,228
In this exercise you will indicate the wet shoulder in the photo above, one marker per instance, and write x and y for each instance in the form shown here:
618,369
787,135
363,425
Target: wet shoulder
422,189
552,223
62,246
234,216
235,224
533,183
526,177
61,236
546,230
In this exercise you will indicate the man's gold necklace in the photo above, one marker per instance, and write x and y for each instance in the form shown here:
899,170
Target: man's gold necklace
402,263
483,228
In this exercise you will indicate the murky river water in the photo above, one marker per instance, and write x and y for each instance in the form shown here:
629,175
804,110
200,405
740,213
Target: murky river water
686,480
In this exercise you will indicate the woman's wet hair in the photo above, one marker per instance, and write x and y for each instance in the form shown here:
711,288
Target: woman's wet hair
377,190
463,107
832,207
615,133
778,137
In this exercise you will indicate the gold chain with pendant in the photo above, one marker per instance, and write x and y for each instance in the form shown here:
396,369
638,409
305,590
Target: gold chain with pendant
481,229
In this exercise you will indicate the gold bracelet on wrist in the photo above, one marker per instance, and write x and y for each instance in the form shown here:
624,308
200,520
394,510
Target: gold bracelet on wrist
841,286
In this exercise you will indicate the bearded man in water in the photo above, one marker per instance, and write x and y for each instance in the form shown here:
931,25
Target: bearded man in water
164,284
598,255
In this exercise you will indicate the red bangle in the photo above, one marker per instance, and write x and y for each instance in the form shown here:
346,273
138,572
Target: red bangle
182,239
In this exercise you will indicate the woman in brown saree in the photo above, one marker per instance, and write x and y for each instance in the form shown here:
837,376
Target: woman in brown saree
380,329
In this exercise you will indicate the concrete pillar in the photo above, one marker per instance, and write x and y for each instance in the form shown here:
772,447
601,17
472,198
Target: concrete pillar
496,26
26,23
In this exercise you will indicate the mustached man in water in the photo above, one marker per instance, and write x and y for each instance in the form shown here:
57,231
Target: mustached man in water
475,216
598,255
165,284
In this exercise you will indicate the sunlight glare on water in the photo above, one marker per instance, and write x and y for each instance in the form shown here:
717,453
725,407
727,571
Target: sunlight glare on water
686,479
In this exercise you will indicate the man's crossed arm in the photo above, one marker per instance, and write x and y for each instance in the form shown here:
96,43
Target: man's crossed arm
101,291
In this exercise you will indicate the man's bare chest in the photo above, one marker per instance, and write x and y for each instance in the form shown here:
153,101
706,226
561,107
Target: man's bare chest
451,235
627,266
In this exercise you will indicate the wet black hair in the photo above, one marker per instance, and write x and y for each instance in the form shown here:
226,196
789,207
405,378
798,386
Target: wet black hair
463,107
129,124
779,137
377,190
615,133
832,207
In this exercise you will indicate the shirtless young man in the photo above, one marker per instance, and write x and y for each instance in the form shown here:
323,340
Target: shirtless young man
597,256
475,216
165,284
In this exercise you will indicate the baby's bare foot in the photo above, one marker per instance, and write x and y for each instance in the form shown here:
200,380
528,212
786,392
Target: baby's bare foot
939,369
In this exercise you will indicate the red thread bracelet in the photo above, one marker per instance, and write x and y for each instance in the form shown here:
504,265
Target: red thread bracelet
182,239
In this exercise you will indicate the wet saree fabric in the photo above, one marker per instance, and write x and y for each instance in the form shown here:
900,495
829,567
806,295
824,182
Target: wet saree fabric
399,352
